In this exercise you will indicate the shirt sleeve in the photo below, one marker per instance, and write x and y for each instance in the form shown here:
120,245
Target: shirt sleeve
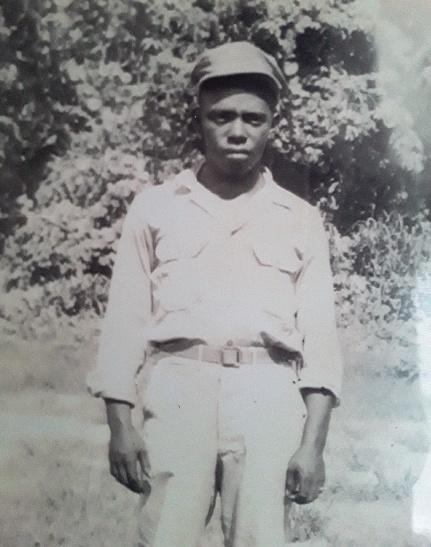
122,343
316,315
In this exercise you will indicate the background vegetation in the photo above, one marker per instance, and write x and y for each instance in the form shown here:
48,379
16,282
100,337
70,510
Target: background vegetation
94,104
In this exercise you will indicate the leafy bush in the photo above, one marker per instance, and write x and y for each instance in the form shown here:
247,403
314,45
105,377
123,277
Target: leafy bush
95,106
75,67
377,267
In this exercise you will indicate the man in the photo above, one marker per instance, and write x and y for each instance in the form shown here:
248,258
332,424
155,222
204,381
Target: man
222,279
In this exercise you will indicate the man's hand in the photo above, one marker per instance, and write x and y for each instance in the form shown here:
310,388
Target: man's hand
128,458
305,475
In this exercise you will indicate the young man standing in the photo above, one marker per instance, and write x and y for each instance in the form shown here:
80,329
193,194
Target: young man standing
222,280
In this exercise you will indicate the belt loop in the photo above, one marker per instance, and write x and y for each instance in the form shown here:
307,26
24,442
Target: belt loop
200,353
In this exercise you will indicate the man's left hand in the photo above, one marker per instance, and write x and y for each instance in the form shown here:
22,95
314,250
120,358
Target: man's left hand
305,475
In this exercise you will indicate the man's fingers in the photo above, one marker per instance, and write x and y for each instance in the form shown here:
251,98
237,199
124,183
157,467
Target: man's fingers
292,481
120,473
305,477
306,487
144,472
309,490
299,486
144,463
133,479
313,486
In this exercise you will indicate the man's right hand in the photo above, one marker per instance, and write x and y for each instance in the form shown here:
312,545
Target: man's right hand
128,458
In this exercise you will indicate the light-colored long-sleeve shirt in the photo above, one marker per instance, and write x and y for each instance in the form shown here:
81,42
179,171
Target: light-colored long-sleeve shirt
251,271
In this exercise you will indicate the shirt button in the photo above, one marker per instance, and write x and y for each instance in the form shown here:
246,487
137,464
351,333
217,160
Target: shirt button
229,343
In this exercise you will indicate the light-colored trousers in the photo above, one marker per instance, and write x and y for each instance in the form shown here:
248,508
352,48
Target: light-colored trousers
247,422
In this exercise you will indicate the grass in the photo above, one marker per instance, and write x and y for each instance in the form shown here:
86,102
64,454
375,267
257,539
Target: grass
55,489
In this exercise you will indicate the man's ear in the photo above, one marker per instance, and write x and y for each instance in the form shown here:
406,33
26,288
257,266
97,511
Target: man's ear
196,127
196,119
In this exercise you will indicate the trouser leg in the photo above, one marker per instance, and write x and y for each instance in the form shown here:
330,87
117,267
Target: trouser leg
181,438
261,417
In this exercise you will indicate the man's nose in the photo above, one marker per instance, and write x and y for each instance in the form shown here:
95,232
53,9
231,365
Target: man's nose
237,132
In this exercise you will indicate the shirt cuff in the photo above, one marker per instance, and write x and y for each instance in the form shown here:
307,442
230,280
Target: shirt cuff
305,382
111,390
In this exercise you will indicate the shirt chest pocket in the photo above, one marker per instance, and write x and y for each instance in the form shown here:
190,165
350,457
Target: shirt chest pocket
175,247
277,269
278,257
175,283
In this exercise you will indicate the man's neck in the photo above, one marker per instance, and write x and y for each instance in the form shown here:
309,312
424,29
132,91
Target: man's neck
229,186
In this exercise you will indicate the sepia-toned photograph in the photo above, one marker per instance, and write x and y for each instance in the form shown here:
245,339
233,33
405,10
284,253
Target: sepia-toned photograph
215,268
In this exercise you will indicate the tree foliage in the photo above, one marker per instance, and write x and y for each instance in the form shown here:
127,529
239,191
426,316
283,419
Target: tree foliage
94,104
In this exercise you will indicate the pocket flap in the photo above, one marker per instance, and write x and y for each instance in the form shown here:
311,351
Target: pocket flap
283,258
171,247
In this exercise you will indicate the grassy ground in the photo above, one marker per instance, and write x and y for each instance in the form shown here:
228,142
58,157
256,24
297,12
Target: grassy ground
55,489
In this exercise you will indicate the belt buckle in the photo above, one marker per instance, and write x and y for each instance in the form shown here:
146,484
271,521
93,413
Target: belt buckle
230,356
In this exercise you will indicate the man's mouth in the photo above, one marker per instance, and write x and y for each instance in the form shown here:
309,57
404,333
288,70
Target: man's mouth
236,152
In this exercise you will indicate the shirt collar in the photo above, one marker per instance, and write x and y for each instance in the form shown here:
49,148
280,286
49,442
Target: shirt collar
188,185
277,194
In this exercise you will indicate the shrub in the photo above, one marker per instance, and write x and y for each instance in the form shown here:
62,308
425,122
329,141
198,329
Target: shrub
106,100
377,267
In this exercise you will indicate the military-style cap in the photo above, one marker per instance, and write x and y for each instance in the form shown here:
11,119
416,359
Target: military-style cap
237,58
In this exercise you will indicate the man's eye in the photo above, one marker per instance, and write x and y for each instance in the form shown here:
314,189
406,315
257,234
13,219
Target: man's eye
253,119
220,119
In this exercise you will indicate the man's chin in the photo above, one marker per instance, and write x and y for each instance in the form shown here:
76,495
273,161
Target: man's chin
239,167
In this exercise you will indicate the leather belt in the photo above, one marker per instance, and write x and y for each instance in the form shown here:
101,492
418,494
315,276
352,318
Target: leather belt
228,356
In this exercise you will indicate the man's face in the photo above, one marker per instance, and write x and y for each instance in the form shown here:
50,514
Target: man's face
235,125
